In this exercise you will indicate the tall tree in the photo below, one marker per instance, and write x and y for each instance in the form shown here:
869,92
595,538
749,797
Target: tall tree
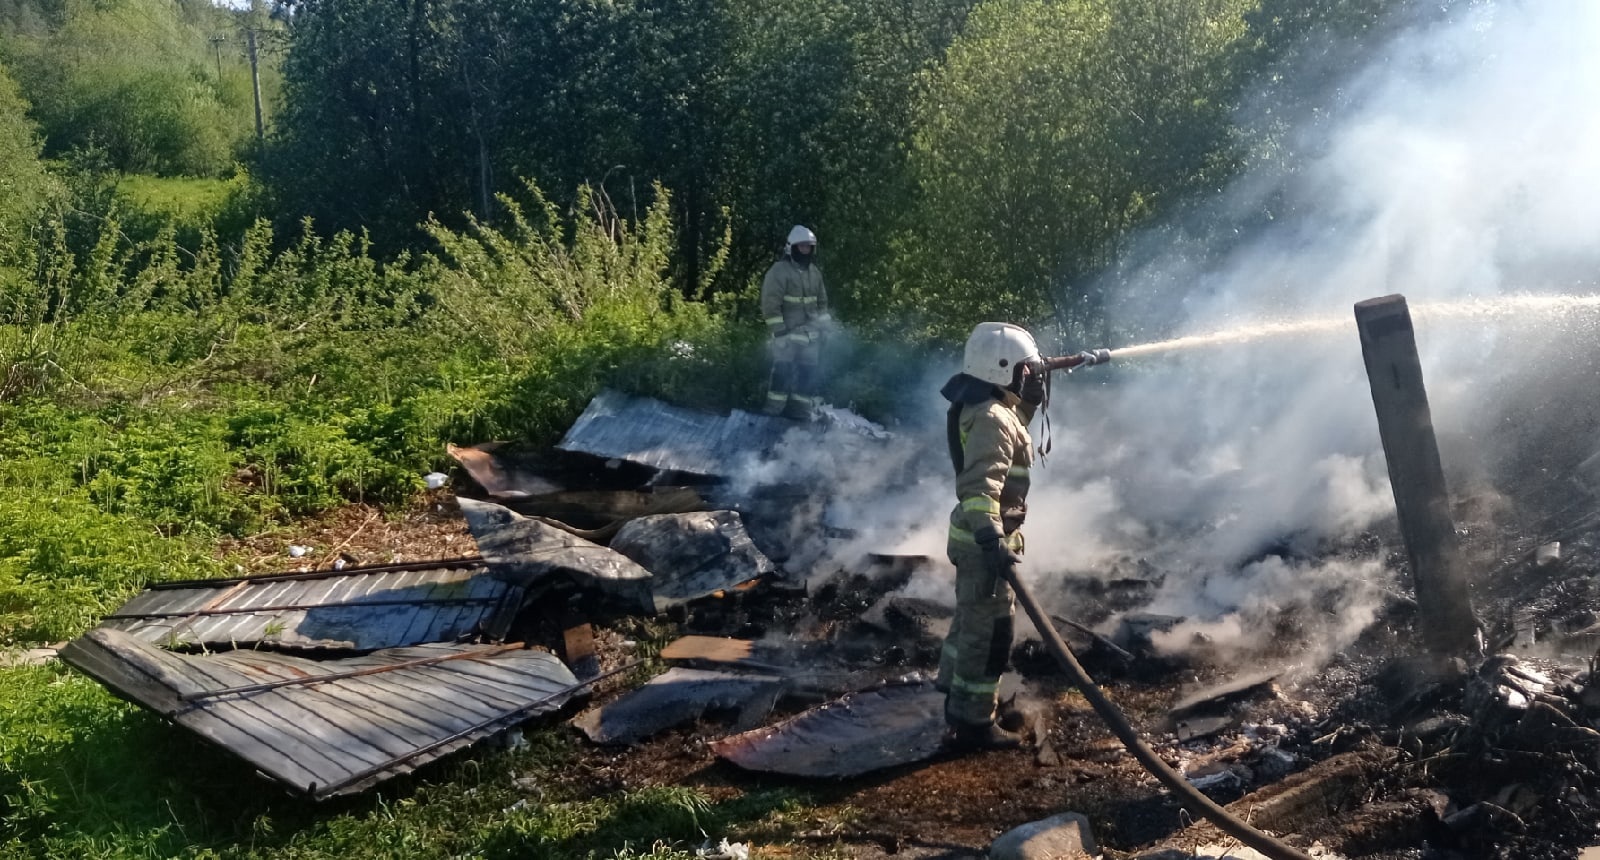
25,186
136,78
1051,128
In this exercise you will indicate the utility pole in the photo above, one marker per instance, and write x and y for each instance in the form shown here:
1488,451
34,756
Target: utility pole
216,44
255,81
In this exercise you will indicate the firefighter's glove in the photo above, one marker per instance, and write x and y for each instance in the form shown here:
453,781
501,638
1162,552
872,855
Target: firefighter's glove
997,557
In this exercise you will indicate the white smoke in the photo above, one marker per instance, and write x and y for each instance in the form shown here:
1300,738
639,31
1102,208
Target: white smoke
1460,168
1461,165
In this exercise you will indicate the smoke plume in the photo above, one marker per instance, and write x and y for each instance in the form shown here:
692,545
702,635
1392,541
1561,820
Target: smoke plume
1459,167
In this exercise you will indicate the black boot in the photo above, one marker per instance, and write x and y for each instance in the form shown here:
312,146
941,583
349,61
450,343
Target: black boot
976,737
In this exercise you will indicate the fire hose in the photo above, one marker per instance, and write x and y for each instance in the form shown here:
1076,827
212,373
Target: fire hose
1188,795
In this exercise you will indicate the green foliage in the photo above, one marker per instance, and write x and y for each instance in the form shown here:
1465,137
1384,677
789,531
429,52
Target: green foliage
303,458
566,317
25,187
74,542
139,78
188,206
157,391
1051,130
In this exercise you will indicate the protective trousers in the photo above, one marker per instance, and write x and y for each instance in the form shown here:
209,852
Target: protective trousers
792,390
979,644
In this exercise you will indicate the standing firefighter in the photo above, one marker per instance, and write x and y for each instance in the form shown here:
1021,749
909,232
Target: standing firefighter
1001,384
795,305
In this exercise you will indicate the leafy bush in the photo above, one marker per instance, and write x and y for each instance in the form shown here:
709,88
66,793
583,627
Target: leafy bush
298,459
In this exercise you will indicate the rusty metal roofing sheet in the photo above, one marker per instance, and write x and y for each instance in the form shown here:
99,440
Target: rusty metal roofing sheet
679,696
646,431
860,733
360,609
332,727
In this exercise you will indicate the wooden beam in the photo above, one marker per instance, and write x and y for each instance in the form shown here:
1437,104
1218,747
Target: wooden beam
1405,425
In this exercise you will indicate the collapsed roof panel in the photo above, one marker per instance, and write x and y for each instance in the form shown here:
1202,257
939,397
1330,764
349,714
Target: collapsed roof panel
692,555
860,733
332,727
652,433
678,696
360,609
500,477
527,551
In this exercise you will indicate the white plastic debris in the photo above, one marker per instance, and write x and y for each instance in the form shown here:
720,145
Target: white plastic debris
1547,554
724,850
435,480
297,551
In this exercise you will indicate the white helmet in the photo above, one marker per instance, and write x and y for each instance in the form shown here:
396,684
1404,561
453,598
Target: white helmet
799,235
995,349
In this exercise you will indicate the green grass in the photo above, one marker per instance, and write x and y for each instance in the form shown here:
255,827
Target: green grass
85,776
183,199
161,398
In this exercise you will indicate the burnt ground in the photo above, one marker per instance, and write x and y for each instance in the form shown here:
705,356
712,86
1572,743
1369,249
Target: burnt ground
1407,757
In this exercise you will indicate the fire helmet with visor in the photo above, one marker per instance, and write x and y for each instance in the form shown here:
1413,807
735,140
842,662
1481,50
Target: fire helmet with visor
995,350
799,235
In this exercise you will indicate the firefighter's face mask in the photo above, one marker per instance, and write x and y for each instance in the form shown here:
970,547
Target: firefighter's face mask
1032,382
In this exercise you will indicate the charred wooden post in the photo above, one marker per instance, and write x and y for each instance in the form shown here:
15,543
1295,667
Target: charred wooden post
1389,346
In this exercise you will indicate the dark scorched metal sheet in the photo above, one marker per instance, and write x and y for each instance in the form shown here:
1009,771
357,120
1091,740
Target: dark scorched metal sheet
857,734
527,551
692,555
679,696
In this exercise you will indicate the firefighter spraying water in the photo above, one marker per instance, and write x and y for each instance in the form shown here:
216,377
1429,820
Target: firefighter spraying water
1003,382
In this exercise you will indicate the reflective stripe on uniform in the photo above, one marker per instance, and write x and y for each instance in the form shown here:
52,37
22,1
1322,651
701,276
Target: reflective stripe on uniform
778,396
1014,541
959,684
1017,472
796,300
775,320
981,504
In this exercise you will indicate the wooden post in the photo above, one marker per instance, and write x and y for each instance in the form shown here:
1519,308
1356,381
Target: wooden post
1389,345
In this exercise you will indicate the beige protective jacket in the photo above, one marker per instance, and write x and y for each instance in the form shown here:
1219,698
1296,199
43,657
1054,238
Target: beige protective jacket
793,300
997,454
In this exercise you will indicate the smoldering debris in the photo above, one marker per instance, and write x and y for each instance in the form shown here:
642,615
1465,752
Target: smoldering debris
681,695
692,555
801,676
501,477
528,552
861,733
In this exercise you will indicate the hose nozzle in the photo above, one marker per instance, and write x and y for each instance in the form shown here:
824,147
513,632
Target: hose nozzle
1086,358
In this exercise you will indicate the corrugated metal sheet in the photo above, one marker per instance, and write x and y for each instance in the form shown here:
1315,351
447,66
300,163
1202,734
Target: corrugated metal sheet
860,733
332,727
692,555
527,551
652,433
679,696
359,609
